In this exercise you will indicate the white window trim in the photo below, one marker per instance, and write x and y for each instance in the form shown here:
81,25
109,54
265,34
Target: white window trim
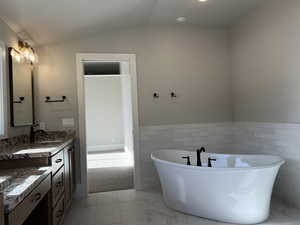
3,91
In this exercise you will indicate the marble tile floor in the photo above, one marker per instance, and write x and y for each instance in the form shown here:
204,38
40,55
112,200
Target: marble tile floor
130,207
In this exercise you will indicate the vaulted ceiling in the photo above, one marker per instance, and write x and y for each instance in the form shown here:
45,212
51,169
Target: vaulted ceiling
56,20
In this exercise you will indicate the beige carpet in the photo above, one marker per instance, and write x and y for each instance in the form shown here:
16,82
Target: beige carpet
109,172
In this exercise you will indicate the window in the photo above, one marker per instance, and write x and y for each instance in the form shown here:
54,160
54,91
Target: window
2,90
101,68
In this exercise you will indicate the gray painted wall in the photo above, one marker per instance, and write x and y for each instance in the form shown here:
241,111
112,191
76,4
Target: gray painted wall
265,62
193,62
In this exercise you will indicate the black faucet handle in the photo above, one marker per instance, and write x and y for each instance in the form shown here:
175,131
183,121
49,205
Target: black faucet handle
188,160
209,161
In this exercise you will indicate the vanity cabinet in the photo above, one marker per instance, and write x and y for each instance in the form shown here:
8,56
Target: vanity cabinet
69,173
62,182
57,161
59,212
59,187
25,208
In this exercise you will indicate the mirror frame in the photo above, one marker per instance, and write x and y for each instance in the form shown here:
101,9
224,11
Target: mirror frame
4,91
11,91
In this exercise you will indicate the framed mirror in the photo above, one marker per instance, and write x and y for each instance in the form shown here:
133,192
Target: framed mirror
3,94
21,90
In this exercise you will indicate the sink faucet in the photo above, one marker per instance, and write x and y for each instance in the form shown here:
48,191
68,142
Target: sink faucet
199,151
33,133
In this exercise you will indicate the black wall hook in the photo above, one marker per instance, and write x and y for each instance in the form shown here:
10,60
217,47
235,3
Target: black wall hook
173,95
48,99
155,95
21,100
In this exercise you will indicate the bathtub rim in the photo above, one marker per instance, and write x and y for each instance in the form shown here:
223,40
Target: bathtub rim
271,165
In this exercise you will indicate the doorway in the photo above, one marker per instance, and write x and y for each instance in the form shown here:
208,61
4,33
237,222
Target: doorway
108,121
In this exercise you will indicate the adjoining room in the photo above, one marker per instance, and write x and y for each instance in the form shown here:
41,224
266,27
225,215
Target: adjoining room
109,161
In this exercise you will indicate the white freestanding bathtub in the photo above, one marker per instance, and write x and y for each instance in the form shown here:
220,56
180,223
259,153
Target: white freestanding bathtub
237,189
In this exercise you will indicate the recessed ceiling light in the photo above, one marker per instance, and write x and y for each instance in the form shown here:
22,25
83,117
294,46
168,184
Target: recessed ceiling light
202,0
181,19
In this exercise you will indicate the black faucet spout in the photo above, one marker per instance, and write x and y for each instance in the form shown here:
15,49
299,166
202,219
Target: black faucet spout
199,151
33,133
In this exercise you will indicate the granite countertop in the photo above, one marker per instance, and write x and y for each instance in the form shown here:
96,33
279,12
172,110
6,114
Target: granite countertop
19,183
16,184
34,150
4,182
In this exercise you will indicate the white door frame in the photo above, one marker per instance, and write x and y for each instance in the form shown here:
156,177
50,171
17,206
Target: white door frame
131,59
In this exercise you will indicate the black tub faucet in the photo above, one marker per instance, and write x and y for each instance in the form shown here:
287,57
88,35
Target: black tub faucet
188,160
199,151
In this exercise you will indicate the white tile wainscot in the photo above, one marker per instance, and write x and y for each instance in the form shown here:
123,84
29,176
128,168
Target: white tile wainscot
276,139
216,137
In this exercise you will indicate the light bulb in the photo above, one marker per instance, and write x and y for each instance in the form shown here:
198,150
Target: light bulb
32,58
18,58
13,53
36,58
26,53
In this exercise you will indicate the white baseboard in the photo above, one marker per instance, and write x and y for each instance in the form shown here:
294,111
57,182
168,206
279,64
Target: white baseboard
104,147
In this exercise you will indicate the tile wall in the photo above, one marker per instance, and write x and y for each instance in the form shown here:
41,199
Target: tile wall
276,139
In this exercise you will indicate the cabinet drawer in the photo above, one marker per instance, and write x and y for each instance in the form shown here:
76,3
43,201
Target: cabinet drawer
23,210
57,161
58,185
58,212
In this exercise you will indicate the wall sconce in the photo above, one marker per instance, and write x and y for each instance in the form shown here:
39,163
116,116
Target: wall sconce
27,51
24,52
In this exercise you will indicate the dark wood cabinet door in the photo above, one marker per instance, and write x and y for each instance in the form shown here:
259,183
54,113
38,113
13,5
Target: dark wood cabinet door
67,177
69,174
